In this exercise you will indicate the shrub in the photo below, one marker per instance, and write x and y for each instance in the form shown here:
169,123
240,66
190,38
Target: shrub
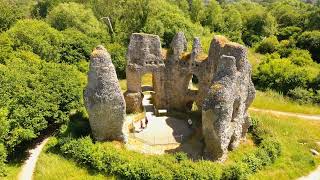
286,47
3,157
237,171
301,57
287,32
11,11
272,148
283,75
268,45
253,162
310,40
302,95
180,156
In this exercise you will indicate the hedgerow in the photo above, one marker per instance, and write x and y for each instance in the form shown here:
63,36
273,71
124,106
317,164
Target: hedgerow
106,158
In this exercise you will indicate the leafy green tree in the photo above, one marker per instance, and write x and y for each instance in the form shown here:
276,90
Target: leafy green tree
126,17
197,10
258,25
38,37
287,32
290,12
42,7
165,20
310,40
214,16
233,24
268,45
11,11
76,46
182,4
73,15
37,95
314,20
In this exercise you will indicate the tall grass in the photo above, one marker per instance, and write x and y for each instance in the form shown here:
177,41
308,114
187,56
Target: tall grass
54,167
297,137
274,101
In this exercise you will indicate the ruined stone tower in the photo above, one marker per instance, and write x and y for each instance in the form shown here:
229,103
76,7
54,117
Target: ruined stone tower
224,93
103,98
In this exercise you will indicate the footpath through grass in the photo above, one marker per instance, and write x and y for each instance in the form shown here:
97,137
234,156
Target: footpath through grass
297,137
274,101
52,166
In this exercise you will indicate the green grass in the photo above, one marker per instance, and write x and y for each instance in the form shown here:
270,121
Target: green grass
296,159
274,101
13,171
55,167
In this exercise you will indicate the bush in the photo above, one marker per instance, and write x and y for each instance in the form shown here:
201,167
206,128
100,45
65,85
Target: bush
282,75
302,95
301,58
268,45
310,40
131,165
11,11
3,157
237,171
287,32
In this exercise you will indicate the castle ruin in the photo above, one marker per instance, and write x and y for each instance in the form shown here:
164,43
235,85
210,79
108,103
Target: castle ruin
224,93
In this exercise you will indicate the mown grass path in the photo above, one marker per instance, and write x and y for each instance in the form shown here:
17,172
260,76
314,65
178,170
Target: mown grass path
30,164
288,114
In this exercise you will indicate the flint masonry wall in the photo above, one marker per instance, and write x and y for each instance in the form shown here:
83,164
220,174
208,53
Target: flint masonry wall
225,90
103,98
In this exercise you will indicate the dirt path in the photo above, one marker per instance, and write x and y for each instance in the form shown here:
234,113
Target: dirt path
312,176
298,115
30,164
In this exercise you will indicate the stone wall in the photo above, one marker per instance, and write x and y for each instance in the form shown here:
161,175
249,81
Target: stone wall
224,93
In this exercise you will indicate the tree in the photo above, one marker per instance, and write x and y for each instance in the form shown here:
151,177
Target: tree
232,26
73,15
314,20
214,17
197,9
11,11
258,25
165,20
310,40
36,95
38,37
290,12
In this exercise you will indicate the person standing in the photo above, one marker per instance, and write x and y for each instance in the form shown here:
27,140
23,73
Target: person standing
190,123
141,124
146,121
